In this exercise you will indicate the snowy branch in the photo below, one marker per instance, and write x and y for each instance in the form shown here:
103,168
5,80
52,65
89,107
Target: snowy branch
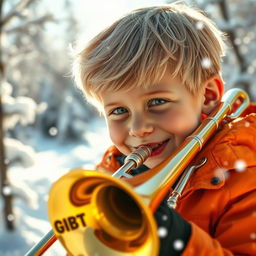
241,78
15,11
21,190
18,152
204,3
230,26
20,109
37,21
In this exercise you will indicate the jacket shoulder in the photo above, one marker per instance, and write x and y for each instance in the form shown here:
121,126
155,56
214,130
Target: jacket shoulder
231,149
236,141
109,161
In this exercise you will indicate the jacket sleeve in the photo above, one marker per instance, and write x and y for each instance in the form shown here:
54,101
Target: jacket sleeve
174,232
234,232
201,244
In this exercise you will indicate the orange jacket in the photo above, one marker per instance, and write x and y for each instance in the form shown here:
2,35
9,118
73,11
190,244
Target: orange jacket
219,201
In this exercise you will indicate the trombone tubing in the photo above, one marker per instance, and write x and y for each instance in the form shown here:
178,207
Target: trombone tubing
45,243
195,142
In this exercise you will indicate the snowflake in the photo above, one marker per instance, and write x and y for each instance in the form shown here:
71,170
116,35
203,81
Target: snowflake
53,131
225,163
164,217
221,171
178,245
69,99
253,236
206,63
6,161
199,25
7,190
237,41
162,232
247,124
240,165
10,217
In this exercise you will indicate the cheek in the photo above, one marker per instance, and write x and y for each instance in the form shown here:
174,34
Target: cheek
179,121
117,133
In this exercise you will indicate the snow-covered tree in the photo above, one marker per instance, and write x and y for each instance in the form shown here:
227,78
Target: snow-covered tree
238,21
20,110
13,110
36,90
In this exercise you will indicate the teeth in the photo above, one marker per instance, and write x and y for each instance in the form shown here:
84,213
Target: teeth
156,146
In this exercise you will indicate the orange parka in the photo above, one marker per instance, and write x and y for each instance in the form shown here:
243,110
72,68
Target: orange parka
219,201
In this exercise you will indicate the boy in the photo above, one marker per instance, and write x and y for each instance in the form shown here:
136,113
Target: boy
154,74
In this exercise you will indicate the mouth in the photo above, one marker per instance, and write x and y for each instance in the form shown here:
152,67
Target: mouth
157,148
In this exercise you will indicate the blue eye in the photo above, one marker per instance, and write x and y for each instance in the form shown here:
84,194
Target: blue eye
156,102
119,111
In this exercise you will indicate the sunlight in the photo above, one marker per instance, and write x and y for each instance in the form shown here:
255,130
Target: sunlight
93,16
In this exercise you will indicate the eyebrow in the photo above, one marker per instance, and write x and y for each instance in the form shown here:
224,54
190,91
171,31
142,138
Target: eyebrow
144,95
158,92
112,104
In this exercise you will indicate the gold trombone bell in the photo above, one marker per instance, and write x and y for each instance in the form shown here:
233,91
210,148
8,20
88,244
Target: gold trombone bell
92,213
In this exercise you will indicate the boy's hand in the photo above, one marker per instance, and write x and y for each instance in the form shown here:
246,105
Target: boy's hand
173,230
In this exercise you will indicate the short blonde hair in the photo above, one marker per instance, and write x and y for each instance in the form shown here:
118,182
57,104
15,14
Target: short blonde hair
137,49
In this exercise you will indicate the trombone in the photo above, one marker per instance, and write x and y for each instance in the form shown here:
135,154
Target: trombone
94,213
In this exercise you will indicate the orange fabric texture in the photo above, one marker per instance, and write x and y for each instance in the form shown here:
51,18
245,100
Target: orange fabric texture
220,198
109,163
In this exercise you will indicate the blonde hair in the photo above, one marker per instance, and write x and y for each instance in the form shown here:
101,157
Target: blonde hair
137,49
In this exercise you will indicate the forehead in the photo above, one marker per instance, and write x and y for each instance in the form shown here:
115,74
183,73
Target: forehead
167,85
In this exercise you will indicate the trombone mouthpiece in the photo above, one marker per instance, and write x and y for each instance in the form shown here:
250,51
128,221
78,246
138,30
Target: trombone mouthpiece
139,156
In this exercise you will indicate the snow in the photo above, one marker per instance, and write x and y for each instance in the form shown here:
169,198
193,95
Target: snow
32,185
54,156
17,151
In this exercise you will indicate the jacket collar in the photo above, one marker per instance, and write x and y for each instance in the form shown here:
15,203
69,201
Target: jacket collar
232,148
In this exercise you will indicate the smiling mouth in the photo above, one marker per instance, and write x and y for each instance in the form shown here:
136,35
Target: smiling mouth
157,148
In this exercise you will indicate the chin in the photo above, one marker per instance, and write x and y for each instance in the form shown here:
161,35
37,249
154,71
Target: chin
153,163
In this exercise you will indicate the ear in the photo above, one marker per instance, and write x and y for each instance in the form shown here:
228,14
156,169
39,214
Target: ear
213,91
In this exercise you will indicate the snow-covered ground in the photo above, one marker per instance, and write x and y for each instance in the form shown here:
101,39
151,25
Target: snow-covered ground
32,186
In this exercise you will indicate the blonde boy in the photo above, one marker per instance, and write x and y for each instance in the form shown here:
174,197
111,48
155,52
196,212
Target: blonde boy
154,73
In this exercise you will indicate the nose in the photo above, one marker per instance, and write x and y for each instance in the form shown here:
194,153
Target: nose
140,127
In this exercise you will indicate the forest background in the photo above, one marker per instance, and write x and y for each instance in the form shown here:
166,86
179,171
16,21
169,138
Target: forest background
46,126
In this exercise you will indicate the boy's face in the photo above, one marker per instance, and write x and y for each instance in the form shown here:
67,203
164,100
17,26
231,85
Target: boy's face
161,116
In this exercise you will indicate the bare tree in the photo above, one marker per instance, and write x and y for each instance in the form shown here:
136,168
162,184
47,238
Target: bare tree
239,23
5,19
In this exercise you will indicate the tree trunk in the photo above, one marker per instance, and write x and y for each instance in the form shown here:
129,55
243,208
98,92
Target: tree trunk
240,58
5,186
